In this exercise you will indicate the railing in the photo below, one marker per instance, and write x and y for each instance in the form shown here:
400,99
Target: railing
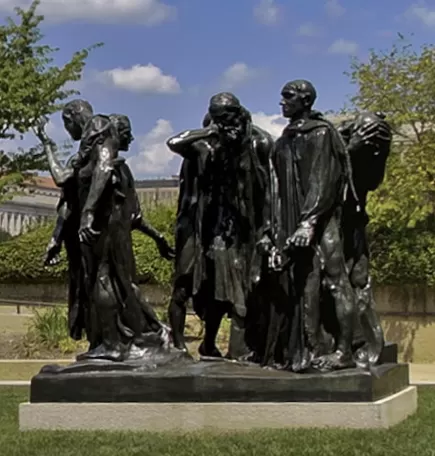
18,303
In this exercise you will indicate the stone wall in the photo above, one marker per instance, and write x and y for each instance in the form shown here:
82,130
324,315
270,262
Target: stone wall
407,312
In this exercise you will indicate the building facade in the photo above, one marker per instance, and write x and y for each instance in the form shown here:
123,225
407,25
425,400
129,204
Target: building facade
38,202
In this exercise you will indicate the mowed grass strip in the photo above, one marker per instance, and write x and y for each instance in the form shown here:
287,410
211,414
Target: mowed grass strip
23,370
415,436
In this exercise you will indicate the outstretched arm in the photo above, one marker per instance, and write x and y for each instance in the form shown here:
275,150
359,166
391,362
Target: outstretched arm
140,224
59,173
182,143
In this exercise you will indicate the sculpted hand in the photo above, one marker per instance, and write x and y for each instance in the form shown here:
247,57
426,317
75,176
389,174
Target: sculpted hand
39,130
370,133
52,253
303,236
87,234
213,129
165,250
264,245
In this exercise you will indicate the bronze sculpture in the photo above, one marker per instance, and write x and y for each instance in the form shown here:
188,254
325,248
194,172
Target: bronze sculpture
264,233
119,325
368,139
232,200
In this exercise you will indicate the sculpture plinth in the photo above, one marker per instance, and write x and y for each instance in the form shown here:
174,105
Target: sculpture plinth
67,397
215,382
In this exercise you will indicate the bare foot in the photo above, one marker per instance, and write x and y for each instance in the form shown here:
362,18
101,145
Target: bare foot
334,361
102,352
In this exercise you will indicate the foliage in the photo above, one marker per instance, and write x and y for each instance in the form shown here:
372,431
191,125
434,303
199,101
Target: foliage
48,330
403,256
19,168
401,83
21,258
31,86
150,265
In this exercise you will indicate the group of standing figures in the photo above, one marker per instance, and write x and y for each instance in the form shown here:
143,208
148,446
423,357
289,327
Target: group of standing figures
270,233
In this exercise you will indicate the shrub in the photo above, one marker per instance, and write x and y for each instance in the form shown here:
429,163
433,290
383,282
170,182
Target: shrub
399,254
48,330
403,256
21,258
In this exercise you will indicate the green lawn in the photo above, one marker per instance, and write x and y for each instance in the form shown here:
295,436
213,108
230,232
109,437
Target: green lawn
415,437
22,370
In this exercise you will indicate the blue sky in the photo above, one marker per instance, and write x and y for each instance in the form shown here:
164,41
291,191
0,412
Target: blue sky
163,59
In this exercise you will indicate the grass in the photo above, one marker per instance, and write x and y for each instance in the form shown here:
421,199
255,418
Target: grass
415,436
22,370
13,323
43,334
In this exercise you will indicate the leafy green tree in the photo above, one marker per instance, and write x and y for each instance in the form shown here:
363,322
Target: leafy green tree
401,83
31,86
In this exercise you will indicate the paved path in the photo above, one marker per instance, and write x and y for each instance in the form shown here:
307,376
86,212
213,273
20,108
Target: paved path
15,383
422,373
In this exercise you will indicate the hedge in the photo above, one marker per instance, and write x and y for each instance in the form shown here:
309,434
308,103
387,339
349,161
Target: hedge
402,256
21,258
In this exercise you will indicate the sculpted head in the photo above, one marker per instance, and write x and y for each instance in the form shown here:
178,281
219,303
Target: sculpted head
123,127
206,121
297,97
230,117
75,115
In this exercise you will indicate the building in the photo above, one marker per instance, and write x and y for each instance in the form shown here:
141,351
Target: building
36,205
158,191
38,202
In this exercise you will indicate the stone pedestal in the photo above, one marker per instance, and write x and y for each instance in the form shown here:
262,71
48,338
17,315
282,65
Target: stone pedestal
218,416
184,395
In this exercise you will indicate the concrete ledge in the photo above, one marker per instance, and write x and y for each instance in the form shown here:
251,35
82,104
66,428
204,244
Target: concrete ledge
218,417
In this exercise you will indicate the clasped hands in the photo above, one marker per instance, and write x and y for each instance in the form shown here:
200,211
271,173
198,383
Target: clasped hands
370,133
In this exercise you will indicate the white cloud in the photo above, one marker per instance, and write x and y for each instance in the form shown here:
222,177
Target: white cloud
423,14
145,12
308,30
274,124
142,78
342,46
237,74
266,12
154,156
334,8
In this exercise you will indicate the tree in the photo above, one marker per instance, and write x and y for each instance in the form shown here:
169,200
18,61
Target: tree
31,86
18,168
401,83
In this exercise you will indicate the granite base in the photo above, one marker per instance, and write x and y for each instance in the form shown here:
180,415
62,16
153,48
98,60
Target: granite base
218,417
